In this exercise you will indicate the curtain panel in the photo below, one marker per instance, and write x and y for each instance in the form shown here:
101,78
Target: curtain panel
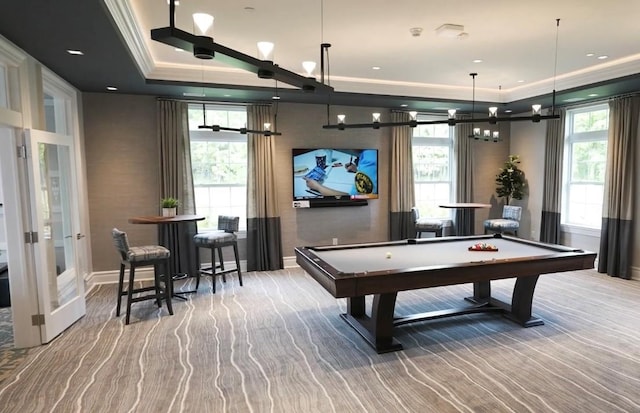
264,234
176,180
551,202
616,234
463,178
401,192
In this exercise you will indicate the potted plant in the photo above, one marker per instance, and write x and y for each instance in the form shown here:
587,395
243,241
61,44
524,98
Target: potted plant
510,180
169,206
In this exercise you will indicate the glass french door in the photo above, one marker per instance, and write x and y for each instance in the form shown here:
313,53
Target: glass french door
55,220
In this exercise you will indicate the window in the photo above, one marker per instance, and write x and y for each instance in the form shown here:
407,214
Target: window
219,164
432,160
584,166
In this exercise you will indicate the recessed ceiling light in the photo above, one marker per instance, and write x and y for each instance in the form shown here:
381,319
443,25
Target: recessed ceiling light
521,81
75,52
404,105
227,96
275,97
573,100
604,56
177,49
477,61
112,88
590,54
376,67
508,111
592,95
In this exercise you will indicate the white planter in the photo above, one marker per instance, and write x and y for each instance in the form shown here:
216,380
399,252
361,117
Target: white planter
169,212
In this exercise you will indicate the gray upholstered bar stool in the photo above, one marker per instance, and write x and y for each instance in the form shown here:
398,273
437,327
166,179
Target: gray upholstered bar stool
510,221
216,240
134,257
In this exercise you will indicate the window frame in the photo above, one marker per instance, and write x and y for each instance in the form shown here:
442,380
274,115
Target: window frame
206,135
434,141
571,138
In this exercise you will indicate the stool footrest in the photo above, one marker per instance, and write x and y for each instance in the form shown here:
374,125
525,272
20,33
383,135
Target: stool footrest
139,290
210,271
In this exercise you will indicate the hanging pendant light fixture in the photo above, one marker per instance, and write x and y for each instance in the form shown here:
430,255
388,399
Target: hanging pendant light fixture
217,128
493,118
203,47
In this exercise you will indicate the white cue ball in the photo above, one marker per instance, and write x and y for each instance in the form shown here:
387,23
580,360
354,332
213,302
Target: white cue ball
388,255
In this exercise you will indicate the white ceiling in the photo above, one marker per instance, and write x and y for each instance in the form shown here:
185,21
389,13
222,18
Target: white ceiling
516,41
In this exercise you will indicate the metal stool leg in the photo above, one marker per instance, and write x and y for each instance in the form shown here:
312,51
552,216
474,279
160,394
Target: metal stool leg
235,253
120,288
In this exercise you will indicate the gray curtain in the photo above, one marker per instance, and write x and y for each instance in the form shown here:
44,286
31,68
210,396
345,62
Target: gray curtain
616,235
551,201
264,234
463,170
401,193
176,180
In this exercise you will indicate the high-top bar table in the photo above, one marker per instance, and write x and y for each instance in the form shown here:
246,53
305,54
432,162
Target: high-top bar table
176,234
465,216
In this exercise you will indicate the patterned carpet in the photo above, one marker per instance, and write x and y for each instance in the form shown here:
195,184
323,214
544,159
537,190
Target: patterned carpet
6,328
278,345
10,358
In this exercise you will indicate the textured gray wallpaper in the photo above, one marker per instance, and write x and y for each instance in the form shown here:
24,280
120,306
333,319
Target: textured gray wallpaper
122,171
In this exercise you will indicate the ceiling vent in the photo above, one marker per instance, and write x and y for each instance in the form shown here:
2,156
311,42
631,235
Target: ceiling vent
450,30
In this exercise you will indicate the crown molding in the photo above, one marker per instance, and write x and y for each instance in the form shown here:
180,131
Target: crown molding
136,41
10,54
134,38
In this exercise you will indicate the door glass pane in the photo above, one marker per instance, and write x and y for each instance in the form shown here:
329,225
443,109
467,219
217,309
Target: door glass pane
57,236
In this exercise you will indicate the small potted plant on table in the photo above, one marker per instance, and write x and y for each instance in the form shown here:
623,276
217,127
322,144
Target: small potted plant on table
169,206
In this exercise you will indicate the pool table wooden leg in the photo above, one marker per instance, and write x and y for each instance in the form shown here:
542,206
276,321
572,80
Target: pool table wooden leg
377,330
522,300
481,292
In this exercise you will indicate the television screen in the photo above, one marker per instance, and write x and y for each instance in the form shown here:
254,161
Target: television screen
335,173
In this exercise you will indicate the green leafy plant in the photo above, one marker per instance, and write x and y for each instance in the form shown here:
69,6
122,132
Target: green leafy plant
169,202
511,181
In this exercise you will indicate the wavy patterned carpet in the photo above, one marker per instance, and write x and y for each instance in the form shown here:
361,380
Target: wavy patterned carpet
278,345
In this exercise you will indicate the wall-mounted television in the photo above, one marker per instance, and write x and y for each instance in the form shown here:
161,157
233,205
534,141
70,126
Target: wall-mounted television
335,176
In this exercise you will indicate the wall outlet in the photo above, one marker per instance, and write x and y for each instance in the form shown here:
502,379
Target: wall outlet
335,241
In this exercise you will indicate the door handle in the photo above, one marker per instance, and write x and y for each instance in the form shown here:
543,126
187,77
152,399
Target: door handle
79,236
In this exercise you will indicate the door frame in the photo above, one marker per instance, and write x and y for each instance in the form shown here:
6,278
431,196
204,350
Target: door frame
55,319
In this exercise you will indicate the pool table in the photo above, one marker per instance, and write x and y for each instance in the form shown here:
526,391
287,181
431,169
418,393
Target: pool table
383,269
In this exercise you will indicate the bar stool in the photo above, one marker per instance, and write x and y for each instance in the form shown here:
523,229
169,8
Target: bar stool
144,256
216,240
510,221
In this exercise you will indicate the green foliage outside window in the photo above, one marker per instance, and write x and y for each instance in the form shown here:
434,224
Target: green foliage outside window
219,163
511,181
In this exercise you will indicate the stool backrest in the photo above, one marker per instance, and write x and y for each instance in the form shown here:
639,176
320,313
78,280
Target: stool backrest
512,212
416,214
121,242
228,223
